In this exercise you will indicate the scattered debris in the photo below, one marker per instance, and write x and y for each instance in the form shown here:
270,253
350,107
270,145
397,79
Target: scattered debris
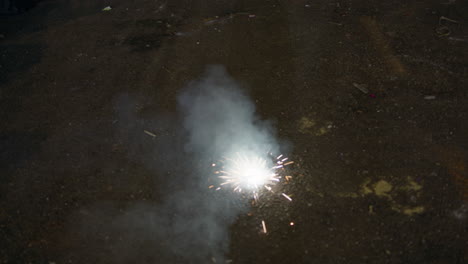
107,8
429,97
435,65
450,2
216,20
310,126
161,7
361,87
460,213
443,31
287,197
225,18
149,133
442,18
458,39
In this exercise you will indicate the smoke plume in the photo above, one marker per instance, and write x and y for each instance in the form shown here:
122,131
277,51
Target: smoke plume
221,118
191,222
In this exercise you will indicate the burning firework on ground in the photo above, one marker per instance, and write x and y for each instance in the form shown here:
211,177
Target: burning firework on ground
252,174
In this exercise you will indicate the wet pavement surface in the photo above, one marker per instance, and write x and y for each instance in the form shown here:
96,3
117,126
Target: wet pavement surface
368,97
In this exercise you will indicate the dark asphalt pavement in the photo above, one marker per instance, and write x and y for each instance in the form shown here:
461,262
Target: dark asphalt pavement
369,98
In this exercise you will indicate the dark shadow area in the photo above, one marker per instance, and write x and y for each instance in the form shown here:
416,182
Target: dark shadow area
23,18
16,148
16,59
13,7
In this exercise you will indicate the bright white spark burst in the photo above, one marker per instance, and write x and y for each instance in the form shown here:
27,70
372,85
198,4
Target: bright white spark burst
252,173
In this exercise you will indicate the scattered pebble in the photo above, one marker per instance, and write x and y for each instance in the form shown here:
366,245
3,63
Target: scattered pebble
361,87
107,8
460,213
149,133
429,97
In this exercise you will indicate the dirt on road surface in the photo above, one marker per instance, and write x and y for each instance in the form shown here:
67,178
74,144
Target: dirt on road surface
369,98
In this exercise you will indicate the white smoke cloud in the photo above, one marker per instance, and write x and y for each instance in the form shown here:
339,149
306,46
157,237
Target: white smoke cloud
221,118
191,224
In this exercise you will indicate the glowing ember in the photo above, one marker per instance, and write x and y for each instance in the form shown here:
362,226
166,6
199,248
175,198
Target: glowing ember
286,196
264,227
252,173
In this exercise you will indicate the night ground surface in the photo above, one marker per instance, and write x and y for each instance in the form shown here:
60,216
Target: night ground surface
370,96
